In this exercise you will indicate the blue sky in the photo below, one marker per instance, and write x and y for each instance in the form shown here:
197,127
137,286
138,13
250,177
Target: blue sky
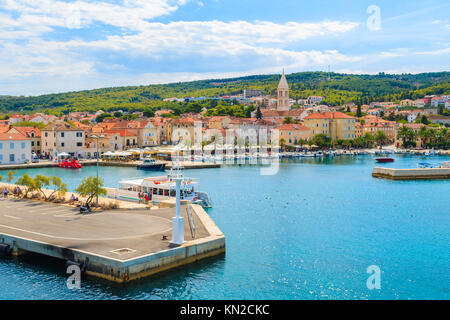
51,46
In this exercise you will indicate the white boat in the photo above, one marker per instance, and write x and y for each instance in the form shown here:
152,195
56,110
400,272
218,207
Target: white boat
158,189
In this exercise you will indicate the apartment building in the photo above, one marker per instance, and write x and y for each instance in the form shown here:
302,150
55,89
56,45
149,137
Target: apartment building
15,148
61,136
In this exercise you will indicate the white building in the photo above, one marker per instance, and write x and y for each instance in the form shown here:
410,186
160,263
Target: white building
14,148
314,99
412,117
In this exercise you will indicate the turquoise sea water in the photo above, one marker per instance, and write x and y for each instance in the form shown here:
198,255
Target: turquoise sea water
308,232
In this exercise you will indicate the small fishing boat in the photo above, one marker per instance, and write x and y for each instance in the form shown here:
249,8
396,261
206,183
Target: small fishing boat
382,160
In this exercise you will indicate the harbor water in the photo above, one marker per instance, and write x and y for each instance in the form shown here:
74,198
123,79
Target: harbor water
310,231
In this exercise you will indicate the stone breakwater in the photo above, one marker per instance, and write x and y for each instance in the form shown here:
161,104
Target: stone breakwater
411,174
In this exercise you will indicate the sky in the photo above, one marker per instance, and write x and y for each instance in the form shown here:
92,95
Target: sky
50,46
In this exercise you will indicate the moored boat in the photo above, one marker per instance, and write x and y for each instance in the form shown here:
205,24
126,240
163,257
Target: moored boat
158,189
151,164
70,164
385,160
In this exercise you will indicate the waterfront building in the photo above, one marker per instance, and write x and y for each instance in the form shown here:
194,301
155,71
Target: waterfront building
182,129
106,142
336,125
61,136
128,137
292,134
15,148
149,134
358,130
388,127
32,133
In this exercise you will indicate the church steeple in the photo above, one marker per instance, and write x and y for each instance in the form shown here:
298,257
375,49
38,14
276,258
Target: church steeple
283,94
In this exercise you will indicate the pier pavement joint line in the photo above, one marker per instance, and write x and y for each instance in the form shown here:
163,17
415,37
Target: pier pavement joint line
8,216
86,239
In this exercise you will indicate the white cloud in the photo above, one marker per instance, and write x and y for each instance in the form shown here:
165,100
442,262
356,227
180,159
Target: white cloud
434,52
26,50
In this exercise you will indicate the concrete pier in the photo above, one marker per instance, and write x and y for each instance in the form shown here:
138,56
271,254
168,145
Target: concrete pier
411,174
93,162
116,245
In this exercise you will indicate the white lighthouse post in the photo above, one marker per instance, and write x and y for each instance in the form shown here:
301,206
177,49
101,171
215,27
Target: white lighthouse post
177,221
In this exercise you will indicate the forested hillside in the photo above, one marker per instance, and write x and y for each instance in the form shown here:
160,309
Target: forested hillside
335,87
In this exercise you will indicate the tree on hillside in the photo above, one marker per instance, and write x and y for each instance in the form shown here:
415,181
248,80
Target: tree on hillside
148,113
424,120
358,112
258,113
102,117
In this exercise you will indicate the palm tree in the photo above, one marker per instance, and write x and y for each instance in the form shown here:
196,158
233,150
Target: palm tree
282,143
403,133
368,140
380,137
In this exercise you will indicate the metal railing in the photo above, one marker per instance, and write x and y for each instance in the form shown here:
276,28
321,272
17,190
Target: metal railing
191,220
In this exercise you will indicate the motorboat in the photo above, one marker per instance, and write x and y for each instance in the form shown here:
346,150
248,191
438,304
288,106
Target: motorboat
151,164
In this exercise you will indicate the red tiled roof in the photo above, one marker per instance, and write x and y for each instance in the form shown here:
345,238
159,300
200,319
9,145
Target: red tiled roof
329,115
26,131
124,132
12,136
316,115
293,127
4,128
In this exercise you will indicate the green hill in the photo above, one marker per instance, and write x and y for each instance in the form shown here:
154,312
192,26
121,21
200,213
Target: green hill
337,89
